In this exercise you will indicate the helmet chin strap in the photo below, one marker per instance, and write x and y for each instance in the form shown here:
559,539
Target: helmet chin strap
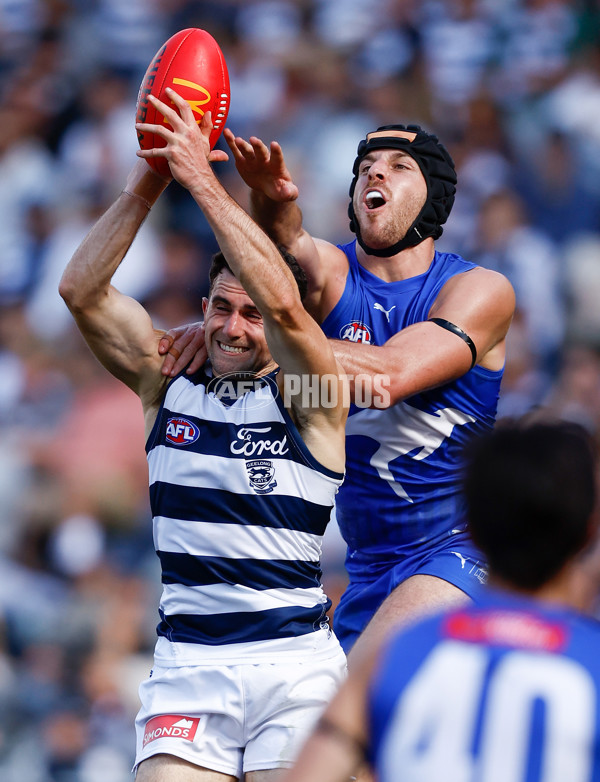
411,238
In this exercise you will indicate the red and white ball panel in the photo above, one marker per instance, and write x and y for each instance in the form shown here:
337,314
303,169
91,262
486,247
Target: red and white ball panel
191,63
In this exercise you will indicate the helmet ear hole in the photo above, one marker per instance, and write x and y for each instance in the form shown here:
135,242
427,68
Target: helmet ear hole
437,168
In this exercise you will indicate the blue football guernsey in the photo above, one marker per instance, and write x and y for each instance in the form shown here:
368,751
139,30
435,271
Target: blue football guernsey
508,691
400,492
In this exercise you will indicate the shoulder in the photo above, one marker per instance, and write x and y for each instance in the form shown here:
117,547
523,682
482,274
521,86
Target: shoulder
337,256
480,285
327,274
482,303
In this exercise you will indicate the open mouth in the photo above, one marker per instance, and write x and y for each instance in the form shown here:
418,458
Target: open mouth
374,199
232,349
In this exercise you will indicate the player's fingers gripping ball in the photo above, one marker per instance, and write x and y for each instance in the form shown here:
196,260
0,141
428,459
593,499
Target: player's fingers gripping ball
192,63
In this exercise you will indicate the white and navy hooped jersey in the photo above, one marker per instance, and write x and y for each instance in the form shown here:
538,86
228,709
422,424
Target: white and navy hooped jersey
403,462
239,509
505,691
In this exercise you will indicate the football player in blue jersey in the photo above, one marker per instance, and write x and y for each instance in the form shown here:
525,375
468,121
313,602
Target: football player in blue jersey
506,690
243,476
431,327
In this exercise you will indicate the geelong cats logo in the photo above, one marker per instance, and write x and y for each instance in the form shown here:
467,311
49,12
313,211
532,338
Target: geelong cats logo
261,475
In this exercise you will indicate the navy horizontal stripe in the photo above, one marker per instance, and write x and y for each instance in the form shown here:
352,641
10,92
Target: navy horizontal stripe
190,570
217,438
242,627
190,503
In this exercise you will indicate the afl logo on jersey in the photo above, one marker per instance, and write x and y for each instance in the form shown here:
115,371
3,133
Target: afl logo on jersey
356,332
180,431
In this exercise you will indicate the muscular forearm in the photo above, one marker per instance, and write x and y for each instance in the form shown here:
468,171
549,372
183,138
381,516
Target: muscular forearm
253,258
358,358
368,371
89,272
87,276
282,220
414,360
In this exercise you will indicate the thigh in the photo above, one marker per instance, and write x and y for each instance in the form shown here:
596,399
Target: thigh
418,596
452,560
267,775
414,598
168,768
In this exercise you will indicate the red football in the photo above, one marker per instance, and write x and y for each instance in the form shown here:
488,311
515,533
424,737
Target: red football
192,63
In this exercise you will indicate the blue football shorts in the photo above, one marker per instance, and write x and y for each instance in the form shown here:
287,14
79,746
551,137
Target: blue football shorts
453,558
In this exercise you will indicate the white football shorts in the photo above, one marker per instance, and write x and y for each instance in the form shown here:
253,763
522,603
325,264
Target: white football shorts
235,718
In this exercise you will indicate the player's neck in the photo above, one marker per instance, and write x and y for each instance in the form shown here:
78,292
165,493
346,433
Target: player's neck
408,263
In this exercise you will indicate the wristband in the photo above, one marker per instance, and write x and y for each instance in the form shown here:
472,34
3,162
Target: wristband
145,201
145,184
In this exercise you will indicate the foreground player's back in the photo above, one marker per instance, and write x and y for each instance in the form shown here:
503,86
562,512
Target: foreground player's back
507,691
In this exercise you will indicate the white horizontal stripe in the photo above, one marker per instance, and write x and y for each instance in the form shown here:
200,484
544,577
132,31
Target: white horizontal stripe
320,645
229,599
186,468
189,399
214,539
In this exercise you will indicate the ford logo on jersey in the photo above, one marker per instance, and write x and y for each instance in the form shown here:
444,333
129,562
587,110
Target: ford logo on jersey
356,332
180,431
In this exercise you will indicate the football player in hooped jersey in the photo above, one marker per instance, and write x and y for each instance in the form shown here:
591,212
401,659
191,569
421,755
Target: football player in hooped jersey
431,322
507,690
242,482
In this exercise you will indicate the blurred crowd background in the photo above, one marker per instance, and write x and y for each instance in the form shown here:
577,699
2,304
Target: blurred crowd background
512,87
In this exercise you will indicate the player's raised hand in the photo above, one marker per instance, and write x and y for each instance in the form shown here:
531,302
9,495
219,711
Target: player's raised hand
187,143
262,168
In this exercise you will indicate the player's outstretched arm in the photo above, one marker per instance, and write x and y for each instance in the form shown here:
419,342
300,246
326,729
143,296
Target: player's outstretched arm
117,328
295,339
273,196
264,170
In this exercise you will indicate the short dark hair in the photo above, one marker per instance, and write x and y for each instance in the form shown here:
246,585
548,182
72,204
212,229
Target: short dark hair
219,263
530,490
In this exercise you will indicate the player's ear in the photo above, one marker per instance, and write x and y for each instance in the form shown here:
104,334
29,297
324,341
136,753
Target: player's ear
204,305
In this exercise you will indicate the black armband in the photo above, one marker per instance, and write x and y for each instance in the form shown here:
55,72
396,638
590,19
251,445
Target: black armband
325,726
445,324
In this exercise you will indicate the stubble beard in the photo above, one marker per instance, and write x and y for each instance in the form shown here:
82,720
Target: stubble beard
382,234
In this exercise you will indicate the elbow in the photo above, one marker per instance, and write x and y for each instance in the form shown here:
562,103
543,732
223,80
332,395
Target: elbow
67,290
73,293
287,312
